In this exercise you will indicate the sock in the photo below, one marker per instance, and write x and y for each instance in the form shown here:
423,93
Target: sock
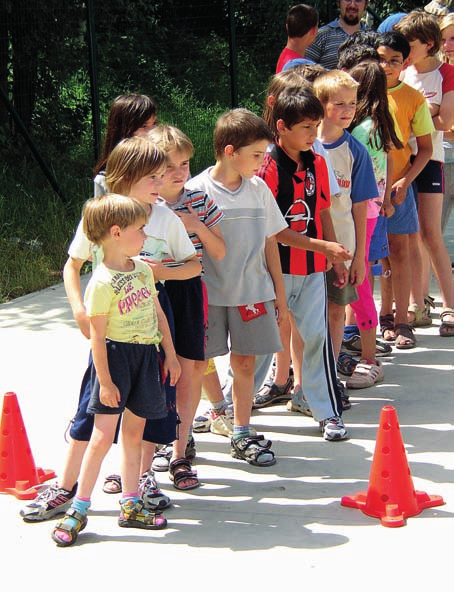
350,331
79,504
219,406
190,434
240,432
130,497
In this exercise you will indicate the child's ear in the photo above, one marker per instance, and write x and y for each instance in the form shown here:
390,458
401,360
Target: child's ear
271,101
115,231
229,150
280,126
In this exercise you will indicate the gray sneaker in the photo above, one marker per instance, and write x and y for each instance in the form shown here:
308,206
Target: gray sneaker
52,501
298,403
153,498
333,429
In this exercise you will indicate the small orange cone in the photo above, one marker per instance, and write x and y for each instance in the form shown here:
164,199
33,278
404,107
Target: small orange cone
18,474
391,495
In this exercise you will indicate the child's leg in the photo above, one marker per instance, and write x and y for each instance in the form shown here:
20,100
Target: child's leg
399,256
184,406
210,382
243,368
131,451
336,315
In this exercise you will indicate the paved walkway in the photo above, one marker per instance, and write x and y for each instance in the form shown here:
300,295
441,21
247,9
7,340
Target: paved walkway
246,527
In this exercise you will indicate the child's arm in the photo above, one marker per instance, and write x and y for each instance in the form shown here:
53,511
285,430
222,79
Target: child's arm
330,235
211,238
109,394
71,278
188,269
444,120
171,364
358,266
387,208
434,109
273,263
333,251
425,148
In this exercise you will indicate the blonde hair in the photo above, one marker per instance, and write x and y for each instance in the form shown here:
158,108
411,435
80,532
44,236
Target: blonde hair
445,22
331,82
103,212
131,160
168,137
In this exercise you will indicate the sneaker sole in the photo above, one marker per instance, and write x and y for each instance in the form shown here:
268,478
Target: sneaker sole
306,413
275,401
48,514
335,437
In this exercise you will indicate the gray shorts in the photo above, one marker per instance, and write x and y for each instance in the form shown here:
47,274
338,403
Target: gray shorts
256,337
340,296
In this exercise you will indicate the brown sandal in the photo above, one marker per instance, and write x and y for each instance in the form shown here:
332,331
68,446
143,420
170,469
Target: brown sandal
387,327
446,327
180,470
405,338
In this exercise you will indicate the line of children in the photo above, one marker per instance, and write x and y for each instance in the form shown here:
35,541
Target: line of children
126,326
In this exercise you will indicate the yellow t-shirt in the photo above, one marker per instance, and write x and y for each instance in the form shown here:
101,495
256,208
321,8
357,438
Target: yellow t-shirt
410,110
127,299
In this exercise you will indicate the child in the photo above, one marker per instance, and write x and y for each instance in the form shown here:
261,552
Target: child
129,115
245,289
298,178
201,218
135,168
435,80
337,92
126,326
302,27
373,126
413,118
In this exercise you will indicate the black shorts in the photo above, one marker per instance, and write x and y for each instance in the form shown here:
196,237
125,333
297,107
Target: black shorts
187,301
430,179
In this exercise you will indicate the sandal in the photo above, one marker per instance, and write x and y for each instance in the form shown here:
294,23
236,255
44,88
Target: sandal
429,303
346,364
112,484
251,450
180,470
72,531
387,327
446,327
421,318
134,516
405,338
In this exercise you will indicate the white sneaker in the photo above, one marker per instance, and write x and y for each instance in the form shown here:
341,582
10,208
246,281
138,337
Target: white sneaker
366,374
333,429
221,424
202,423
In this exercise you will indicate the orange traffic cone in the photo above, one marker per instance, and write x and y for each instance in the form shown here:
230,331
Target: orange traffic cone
391,495
18,474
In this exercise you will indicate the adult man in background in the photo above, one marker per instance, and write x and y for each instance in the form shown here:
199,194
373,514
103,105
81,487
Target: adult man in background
323,51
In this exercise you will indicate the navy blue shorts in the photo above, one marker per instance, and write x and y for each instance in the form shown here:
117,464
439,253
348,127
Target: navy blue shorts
430,179
159,431
187,300
134,369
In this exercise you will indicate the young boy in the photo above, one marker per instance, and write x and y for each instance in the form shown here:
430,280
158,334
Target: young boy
298,180
302,27
245,289
355,175
413,118
127,325
201,218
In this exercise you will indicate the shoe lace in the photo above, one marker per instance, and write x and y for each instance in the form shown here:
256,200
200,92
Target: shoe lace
47,494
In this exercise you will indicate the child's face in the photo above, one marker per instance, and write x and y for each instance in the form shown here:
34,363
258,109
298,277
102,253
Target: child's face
176,175
146,127
340,108
392,63
147,189
447,43
131,239
418,52
300,137
246,161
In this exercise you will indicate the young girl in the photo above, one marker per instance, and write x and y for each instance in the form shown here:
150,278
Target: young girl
373,126
426,73
447,49
126,326
129,115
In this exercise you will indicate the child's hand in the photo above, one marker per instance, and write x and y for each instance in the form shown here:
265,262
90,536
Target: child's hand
357,271
281,311
341,274
398,192
387,209
109,395
83,320
335,252
158,269
191,221
173,368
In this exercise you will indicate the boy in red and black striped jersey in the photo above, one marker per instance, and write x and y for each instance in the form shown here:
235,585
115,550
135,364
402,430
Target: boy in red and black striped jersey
298,179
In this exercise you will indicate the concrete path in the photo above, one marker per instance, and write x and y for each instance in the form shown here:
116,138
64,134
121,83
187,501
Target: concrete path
246,527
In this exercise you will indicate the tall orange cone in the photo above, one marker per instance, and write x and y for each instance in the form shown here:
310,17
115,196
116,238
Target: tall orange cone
391,495
18,473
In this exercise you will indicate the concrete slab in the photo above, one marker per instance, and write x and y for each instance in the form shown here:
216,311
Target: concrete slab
280,526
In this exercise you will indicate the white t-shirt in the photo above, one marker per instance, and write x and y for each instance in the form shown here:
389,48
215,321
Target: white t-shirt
250,216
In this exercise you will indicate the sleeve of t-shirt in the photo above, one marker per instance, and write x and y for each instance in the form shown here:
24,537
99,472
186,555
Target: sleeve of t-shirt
334,188
80,247
364,185
323,181
422,123
213,215
98,297
447,73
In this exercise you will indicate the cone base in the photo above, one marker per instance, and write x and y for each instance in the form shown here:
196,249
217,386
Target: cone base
26,490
